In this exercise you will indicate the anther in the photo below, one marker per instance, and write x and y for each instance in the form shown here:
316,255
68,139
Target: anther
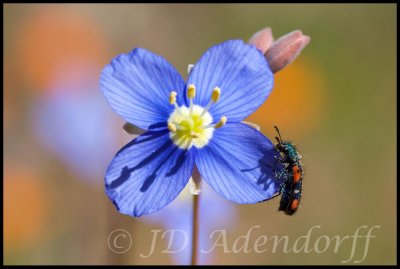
171,127
191,92
172,97
216,94
221,122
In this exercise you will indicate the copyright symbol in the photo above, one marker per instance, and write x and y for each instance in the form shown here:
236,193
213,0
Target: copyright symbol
119,241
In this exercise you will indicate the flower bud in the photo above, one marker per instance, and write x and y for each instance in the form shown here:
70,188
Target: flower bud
263,39
286,49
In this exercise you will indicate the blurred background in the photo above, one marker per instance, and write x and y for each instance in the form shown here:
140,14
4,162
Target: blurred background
336,102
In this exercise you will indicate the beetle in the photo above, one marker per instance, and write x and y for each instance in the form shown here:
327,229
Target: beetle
292,173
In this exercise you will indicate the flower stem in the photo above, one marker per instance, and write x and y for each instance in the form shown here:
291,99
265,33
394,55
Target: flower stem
195,230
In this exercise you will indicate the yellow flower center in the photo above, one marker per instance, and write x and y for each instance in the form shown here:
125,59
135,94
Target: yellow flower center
191,126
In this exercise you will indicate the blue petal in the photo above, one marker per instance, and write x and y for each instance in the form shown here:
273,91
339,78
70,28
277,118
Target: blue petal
240,71
147,174
238,163
137,86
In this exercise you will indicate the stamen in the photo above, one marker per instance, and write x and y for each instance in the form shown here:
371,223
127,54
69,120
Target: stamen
214,98
191,92
172,98
221,122
216,94
171,127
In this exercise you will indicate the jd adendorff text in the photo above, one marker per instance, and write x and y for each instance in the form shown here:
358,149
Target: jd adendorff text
119,241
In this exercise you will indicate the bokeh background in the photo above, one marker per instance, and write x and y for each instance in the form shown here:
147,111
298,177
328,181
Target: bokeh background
336,102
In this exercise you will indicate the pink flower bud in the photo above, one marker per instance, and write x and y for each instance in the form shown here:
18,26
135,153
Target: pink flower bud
286,49
263,39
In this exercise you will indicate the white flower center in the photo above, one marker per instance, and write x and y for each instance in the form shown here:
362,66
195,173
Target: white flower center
191,126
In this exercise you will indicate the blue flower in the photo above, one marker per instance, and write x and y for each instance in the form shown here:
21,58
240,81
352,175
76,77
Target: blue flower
66,122
187,125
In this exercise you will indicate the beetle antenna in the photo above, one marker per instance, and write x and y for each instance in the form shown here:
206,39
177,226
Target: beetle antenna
279,134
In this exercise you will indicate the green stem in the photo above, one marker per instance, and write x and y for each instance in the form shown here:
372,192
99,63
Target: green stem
195,230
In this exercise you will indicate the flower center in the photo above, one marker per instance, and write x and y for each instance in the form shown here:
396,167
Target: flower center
192,126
